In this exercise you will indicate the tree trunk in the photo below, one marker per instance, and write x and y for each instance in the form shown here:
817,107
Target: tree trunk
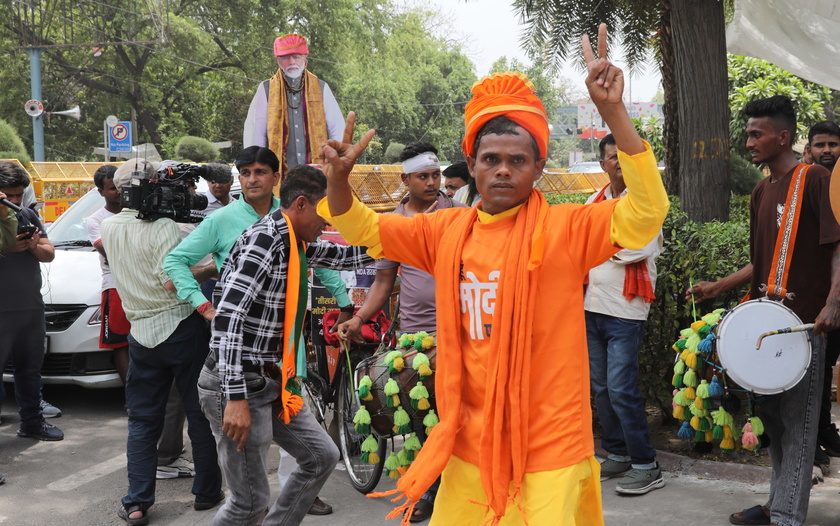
703,107
671,120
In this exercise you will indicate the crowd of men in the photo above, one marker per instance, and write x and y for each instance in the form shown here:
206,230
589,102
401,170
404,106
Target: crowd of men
487,266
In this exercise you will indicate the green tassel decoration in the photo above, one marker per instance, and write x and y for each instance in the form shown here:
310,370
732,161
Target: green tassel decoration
402,457
364,388
370,450
406,340
757,425
402,422
690,378
418,340
395,362
680,398
703,389
677,381
717,432
362,421
430,421
412,446
392,465
700,436
680,344
679,367
419,397
392,393
421,364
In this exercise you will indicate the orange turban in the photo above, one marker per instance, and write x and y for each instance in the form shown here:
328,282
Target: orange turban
510,94
290,44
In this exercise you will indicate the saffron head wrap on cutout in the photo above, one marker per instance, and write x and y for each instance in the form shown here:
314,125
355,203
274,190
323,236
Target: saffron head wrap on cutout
512,95
290,44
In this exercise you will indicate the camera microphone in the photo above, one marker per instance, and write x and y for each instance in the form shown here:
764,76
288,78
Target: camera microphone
10,204
216,173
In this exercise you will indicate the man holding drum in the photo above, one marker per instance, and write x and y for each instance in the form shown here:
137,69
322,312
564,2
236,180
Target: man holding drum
514,443
795,196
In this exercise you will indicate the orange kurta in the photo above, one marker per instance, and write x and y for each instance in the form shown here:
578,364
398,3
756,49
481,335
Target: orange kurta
577,239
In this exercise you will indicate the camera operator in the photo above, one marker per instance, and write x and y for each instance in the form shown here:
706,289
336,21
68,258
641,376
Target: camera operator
168,340
258,174
22,325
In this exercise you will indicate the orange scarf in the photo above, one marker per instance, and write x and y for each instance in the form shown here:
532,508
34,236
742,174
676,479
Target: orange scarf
636,276
504,441
291,400
278,116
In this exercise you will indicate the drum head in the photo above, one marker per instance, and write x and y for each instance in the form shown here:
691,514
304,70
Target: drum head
782,360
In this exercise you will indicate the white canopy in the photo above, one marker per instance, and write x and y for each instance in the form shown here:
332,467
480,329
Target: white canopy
799,36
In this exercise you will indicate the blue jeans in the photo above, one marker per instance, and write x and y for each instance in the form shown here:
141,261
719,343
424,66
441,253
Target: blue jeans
22,334
614,376
150,376
790,420
245,471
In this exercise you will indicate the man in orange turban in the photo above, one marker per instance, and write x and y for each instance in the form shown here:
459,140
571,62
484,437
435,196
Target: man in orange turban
294,112
514,442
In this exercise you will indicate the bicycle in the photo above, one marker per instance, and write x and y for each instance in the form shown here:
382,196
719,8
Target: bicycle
333,398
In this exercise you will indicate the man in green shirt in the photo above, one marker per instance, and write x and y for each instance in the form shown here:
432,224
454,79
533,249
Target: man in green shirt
258,175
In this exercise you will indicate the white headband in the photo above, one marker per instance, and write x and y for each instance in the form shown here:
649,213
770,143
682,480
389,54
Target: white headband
421,162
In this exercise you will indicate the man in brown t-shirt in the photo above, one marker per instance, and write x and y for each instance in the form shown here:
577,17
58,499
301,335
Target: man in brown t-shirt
790,418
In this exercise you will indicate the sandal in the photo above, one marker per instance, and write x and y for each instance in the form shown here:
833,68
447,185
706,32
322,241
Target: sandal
422,511
125,514
754,515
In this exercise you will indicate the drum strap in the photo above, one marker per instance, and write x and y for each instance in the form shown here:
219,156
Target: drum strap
786,237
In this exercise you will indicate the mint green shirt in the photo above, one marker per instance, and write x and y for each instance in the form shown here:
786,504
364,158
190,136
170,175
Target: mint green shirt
136,249
216,235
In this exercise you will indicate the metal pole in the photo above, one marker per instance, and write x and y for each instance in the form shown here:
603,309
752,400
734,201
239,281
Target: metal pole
37,122
105,141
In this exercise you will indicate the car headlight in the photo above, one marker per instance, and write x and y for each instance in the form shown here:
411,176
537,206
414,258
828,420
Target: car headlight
96,317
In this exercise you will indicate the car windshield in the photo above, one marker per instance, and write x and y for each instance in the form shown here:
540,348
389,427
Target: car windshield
587,168
69,229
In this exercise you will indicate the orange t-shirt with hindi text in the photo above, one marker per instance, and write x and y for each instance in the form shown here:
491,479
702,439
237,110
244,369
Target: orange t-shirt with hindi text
577,238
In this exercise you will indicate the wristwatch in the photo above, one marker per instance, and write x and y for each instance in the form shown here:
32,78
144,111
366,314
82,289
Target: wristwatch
350,309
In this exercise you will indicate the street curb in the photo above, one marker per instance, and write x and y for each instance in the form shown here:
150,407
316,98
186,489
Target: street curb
679,464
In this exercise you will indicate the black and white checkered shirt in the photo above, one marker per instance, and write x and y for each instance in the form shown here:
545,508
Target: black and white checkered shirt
250,297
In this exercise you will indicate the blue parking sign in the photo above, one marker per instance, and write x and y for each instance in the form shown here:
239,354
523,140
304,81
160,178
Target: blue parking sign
119,137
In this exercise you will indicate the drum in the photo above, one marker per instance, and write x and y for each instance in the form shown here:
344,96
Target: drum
382,416
781,361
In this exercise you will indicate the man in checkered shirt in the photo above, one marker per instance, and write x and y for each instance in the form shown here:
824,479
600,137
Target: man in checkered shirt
240,383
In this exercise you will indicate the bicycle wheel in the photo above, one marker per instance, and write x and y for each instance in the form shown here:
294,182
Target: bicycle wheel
363,476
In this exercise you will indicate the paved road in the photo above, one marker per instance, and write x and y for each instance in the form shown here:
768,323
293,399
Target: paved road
78,482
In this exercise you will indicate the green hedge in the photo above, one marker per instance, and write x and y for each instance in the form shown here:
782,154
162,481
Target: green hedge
691,252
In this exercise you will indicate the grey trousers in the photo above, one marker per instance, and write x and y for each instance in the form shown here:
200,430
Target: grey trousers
245,471
790,420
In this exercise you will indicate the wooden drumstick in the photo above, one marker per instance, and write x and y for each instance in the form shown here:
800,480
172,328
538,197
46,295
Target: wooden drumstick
786,330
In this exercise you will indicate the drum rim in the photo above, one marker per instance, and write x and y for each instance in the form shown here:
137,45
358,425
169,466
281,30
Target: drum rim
796,320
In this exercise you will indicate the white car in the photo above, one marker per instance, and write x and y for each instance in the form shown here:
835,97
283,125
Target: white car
72,285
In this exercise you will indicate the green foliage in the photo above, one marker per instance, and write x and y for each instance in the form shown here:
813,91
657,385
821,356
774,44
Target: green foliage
196,149
651,130
751,79
692,252
410,86
743,175
393,151
558,199
23,157
10,142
